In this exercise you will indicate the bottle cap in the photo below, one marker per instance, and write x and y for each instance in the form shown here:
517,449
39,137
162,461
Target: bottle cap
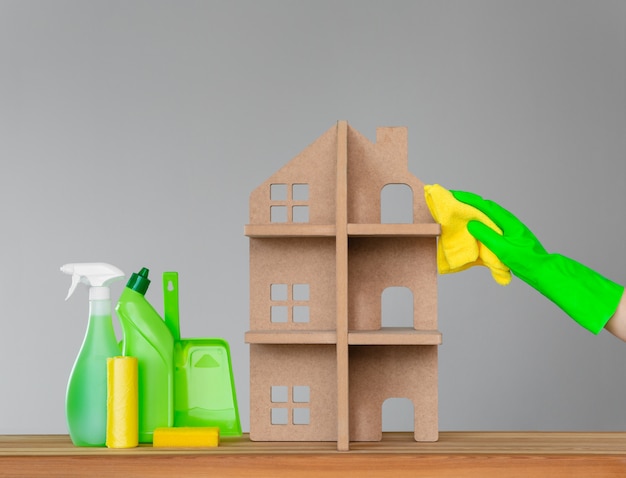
139,281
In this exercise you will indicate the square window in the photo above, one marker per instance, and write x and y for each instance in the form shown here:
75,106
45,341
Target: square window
300,192
300,292
301,394
278,213
280,394
301,313
278,192
279,314
279,416
301,416
279,292
300,213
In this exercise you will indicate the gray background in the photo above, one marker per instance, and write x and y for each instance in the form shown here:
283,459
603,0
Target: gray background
132,132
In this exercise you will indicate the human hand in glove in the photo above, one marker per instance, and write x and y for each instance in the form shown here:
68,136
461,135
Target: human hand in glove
586,296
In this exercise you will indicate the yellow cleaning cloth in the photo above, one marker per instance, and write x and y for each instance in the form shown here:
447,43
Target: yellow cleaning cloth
188,437
122,404
457,249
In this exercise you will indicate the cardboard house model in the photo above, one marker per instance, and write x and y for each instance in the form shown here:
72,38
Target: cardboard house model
321,363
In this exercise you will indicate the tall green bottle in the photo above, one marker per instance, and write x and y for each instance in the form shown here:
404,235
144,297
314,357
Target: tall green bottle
86,397
148,338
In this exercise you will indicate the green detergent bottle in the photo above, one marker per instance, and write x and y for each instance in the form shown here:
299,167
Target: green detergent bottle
148,338
86,398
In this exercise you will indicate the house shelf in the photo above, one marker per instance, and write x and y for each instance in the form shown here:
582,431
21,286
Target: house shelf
322,255
394,230
291,337
384,336
395,336
260,231
329,230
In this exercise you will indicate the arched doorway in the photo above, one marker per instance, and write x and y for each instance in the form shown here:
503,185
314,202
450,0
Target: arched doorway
398,415
397,307
396,204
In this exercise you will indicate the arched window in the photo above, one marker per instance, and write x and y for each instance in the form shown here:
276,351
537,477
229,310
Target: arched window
397,307
396,204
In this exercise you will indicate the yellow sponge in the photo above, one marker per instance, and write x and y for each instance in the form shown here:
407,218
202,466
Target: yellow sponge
186,437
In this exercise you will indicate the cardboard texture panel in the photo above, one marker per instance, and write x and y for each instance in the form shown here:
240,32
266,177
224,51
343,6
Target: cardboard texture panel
278,373
315,168
341,208
377,263
379,372
320,260
292,284
372,166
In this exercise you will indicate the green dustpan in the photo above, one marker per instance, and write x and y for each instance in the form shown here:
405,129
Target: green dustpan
204,387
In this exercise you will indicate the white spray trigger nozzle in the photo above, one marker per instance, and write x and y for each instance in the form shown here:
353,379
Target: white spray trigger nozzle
75,281
93,274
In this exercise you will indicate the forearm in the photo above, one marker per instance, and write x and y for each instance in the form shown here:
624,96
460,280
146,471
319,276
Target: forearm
617,323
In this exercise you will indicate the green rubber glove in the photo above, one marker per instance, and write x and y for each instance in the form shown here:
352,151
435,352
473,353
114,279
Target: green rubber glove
586,296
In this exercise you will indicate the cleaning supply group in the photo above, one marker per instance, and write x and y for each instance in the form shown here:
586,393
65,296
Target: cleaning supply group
152,387
166,390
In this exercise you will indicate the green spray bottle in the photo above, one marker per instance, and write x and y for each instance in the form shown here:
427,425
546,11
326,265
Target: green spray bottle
86,397
148,338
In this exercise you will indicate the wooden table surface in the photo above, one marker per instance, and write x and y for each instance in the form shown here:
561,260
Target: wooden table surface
456,454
